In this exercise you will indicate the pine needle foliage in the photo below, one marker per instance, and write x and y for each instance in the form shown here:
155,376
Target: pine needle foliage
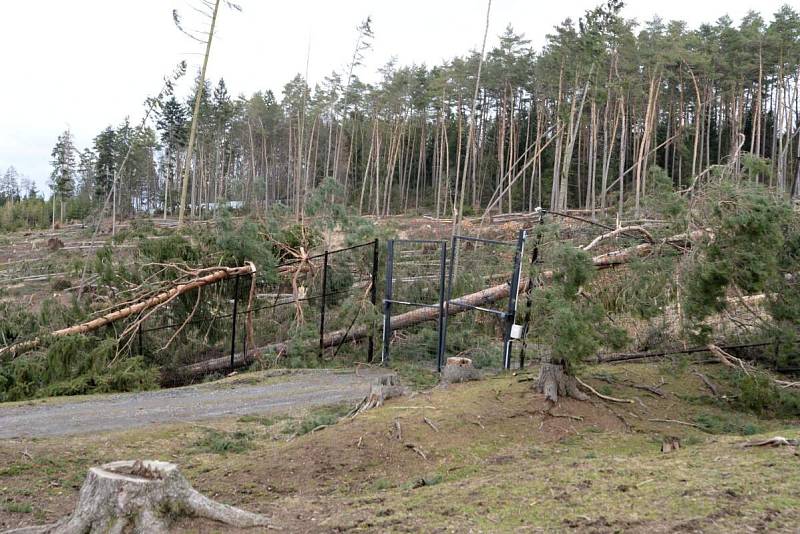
573,324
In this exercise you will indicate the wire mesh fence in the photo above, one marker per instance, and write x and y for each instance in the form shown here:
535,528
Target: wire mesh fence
295,313
415,278
421,274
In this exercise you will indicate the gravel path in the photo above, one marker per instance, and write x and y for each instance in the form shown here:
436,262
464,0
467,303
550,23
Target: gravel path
193,403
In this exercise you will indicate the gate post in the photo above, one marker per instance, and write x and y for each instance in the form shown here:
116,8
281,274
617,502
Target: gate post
322,305
387,303
373,296
233,319
512,299
442,307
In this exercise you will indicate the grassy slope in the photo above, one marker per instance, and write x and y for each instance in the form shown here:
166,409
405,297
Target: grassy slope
496,463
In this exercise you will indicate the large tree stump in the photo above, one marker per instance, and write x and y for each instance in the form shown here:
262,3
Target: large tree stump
459,369
554,381
141,497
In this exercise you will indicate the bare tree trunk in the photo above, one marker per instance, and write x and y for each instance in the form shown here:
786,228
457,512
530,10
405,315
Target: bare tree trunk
196,115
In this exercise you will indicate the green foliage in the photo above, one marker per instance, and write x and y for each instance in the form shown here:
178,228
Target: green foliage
574,325
758,393
324,416
169,249
727,424
643,290
662,198
16,322
574,269
31,213
237,244
74,365
221,442
754,166
747,249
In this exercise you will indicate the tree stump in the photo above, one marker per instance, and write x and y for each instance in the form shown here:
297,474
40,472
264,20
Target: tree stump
141,497
459,369
554,381
387,387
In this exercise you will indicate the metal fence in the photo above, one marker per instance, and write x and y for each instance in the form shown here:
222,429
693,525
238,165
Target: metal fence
411,262
311,297
419,274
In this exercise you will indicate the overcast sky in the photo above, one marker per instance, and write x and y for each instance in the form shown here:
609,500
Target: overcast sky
85,64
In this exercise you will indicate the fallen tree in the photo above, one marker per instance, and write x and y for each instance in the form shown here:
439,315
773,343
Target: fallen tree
421,315
215,274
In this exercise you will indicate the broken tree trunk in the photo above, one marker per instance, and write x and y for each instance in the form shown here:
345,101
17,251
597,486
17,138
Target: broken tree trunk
421,315
141,497
217,274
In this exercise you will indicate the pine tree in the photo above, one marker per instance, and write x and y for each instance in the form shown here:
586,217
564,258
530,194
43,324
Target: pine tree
62,178
9,186
105,163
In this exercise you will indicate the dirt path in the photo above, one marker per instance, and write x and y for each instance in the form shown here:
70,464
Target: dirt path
192,403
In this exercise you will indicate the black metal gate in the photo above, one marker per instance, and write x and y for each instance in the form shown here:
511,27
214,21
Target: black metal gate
508,315
419,248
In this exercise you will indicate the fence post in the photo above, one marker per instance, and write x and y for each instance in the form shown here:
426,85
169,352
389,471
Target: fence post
387,302
322,305
512,299
448,296
373,297
233,319
442,310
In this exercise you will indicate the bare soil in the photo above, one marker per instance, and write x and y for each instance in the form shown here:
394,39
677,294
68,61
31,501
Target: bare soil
496,462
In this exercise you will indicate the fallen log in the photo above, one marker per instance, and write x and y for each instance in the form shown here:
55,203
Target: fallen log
421,315
217,274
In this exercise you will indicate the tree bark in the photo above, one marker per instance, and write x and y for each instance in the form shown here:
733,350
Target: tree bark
217,274
141,497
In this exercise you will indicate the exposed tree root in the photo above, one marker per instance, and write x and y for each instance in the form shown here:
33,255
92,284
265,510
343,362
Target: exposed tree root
600,395
676,422
777,441
709,384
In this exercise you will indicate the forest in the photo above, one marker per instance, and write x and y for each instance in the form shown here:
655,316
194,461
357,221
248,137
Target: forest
549,288
576,125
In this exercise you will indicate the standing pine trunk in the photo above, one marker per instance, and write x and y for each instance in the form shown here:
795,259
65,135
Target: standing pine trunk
196,115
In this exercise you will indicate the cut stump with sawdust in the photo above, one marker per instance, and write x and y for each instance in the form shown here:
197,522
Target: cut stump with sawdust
141,497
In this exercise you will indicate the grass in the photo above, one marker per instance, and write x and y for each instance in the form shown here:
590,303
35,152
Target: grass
727,424
318,417
18,508
264,420
415,375
221,442
518,469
